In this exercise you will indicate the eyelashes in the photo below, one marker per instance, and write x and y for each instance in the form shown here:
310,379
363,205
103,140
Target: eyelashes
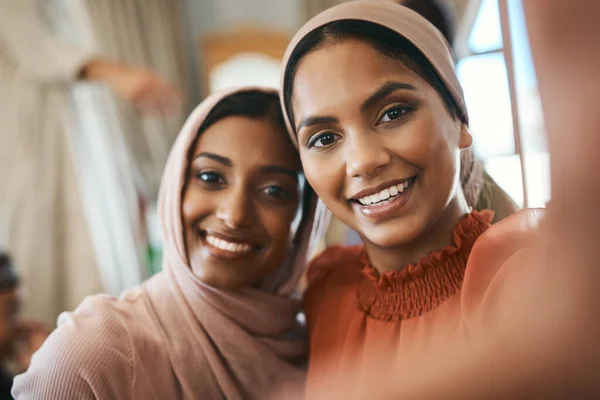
393,114
323,139
274,192
210,177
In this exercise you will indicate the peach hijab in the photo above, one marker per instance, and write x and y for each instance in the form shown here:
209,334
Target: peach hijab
407,23
234,345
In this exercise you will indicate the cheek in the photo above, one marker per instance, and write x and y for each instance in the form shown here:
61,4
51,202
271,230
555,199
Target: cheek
277,223
418,143
324,172
426,145
442,168
195,204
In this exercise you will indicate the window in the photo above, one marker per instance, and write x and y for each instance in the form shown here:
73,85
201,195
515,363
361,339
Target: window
497,75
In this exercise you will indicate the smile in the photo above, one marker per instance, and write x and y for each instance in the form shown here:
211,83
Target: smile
380,204
224,245
386,195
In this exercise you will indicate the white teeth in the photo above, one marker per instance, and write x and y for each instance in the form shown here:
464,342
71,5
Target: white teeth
227,246
241,247
385,194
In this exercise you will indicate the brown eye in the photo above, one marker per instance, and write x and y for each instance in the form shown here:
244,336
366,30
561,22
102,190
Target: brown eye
322,140
394,113
276,191
210,177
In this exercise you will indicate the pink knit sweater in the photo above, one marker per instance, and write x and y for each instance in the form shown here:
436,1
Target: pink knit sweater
107,349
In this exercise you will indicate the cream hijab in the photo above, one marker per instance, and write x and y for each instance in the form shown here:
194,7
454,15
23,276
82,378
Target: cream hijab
416,29
223,344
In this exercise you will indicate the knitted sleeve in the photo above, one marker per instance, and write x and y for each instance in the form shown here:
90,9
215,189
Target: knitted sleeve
89,356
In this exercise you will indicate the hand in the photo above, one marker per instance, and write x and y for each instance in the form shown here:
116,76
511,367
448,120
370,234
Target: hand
143,88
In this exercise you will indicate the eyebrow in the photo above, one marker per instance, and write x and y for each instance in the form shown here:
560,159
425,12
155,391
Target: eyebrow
280,170
316,120
385,89
220,159
266,169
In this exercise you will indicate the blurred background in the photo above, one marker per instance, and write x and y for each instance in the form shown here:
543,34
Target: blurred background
95,92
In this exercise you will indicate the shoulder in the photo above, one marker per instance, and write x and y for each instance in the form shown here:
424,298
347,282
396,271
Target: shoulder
336,268
332,259
496,262
89,355
501,240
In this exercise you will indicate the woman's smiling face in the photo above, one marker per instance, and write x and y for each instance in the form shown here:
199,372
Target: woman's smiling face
377,141
239,201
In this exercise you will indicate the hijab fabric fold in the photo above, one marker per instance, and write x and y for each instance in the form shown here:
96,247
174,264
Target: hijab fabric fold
234,345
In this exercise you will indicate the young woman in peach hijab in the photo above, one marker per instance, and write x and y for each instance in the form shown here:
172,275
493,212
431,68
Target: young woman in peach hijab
524,322
370,93
220,321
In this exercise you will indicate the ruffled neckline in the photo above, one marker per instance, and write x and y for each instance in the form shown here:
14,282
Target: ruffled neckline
422,286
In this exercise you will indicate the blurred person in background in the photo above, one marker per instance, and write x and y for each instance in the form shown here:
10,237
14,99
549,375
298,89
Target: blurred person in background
39,199
19,339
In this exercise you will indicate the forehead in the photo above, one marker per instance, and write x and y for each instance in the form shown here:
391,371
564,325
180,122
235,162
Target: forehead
249,142
345,73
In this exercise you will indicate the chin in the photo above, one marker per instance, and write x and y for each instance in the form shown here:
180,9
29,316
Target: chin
223,278
221,283
397,232
392,238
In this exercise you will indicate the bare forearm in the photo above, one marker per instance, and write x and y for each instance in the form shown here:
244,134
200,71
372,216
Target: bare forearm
141,87
98,69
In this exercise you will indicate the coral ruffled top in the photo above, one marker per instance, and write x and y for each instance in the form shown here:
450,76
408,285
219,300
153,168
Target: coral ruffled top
352,311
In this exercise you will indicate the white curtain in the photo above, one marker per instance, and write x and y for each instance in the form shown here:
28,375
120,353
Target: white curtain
119,153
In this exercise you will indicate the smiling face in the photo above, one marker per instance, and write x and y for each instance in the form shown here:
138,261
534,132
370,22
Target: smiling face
239,201
377,143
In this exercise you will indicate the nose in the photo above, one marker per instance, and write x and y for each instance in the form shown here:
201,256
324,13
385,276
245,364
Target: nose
236,210
364,155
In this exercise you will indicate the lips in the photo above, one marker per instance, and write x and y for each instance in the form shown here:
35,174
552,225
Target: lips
383,191
228,246
386,200
386,194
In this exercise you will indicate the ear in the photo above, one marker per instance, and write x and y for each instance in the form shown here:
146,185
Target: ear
466,139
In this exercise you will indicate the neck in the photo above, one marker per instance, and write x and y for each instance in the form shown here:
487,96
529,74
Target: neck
433,238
